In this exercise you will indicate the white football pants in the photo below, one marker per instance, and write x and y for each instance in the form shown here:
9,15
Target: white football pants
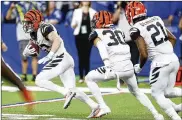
162,80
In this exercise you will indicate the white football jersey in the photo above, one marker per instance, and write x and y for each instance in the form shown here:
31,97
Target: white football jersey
40,38
155,35
114,42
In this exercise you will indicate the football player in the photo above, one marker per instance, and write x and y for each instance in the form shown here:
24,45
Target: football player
156,43
8,73
58,61
117,64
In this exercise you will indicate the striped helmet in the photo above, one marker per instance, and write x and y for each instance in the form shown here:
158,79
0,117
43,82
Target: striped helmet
101,19
135,10
31,20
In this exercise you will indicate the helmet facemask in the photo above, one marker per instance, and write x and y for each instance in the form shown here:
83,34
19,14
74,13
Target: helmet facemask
28,26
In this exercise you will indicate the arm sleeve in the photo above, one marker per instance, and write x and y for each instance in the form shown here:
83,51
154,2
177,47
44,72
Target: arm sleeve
102,50
46,29
134,33
93,35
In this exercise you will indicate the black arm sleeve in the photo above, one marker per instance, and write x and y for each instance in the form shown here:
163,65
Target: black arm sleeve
134,33
46,29
93,35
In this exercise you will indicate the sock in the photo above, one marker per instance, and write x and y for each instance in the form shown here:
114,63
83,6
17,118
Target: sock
24,77
175,92
144,100
166,106
172,114
33,77
50,86
176,107
96,92
27,95
84,98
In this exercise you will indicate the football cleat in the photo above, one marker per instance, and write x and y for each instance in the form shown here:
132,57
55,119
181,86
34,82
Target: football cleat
101,112
68,99
94,112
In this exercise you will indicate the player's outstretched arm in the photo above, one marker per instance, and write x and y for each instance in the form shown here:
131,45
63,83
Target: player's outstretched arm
171,37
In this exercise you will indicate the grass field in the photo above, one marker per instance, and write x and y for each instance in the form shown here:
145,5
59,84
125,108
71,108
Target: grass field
123,106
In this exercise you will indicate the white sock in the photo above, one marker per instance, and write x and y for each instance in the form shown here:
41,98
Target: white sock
176,107
175,92
144,100
84,98
166,105
96,92
50,86
172,113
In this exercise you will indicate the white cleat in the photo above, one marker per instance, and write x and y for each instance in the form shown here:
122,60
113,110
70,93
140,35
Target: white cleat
68,99
101,112
94,112
159,117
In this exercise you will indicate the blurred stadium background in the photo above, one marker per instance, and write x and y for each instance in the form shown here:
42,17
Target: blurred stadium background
8,34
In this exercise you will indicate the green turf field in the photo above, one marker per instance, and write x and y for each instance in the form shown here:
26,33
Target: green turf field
123,106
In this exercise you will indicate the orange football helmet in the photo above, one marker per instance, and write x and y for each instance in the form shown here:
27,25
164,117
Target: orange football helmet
135,10
101,19
31,20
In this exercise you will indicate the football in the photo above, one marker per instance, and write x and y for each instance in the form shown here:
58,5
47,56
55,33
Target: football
33,45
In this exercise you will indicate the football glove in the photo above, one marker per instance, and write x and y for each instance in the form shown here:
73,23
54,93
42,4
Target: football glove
29,50
137,68
46,58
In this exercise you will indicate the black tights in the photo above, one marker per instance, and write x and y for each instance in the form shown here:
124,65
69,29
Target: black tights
84,49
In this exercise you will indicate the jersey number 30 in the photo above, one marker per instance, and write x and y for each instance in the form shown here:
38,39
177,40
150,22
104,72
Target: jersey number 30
161,36
114,36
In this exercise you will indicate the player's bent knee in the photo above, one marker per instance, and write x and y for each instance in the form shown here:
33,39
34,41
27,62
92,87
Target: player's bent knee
38,80
88,77
168,93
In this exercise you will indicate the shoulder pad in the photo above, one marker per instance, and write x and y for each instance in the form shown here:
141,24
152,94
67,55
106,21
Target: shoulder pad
134,33
93,35
46,29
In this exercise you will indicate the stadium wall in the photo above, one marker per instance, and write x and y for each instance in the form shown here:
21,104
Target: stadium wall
12,56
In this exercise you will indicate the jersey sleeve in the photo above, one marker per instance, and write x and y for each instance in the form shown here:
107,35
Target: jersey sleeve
46,29
134,33
93,35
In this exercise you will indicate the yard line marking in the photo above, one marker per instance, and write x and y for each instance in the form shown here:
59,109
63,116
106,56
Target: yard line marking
84,89
49,100
23,116
65,119
27,115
